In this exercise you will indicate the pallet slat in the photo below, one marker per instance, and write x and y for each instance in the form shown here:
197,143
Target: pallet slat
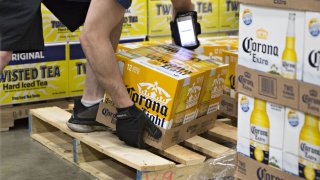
57,142
206,146
224,131
105,142
183,155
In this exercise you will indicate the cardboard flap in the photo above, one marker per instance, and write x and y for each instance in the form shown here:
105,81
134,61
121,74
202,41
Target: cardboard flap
269,87
306,5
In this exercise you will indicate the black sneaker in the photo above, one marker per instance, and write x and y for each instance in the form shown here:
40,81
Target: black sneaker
83,119
131,124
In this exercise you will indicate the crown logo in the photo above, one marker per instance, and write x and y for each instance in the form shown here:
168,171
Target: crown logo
154,92
262,34
313,93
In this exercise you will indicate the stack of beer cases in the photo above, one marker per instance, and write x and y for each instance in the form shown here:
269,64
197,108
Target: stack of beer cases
213,15
184,85
283,42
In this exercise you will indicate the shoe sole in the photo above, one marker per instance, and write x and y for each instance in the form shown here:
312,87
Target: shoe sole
85,128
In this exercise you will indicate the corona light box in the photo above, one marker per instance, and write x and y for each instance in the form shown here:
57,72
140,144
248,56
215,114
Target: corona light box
162,89
35,76
272,40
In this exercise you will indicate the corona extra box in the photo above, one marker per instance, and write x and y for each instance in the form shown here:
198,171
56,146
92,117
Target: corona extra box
311,67
262,123
302,144
308,5
35,76
135,20
228,15
77,69
208,14
54,31
159,17
266,48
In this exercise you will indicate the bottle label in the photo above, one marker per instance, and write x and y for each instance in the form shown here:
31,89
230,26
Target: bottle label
288,69
259,152
259,134
309,170
309,152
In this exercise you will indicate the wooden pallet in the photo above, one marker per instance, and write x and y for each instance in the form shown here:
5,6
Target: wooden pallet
10,113
104,156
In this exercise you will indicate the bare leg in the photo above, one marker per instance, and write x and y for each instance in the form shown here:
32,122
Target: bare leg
101,31
93,90
5,57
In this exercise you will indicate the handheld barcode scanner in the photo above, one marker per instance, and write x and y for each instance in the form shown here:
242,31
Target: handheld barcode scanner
185,30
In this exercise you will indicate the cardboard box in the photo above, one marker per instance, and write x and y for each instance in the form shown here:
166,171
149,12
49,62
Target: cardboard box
302,144
54,31
311,66
163,90
231,58
228,15
170,137
266,48
159,17
308,5
250,169
77,69
208,14
135,20
263,123
279,90
269,87
228,106
35,76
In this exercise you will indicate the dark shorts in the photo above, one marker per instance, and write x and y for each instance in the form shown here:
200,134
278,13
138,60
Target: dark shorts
21,21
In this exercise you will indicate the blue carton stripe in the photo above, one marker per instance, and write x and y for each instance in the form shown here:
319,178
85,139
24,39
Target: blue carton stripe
76,52
50,53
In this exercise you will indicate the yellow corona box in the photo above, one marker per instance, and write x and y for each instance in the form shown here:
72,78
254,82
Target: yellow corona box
159,17
135,20
228,15
35,76
76,69
164,89
214,46
231,58
208,14
54,31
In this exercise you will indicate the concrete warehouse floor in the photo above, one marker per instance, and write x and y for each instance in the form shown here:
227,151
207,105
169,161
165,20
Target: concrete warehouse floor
22,158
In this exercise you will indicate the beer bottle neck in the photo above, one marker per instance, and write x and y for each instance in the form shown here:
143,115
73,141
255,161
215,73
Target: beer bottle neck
311,121
260,104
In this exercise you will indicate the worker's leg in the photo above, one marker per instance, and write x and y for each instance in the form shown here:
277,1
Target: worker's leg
103,17
93,91
5,57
